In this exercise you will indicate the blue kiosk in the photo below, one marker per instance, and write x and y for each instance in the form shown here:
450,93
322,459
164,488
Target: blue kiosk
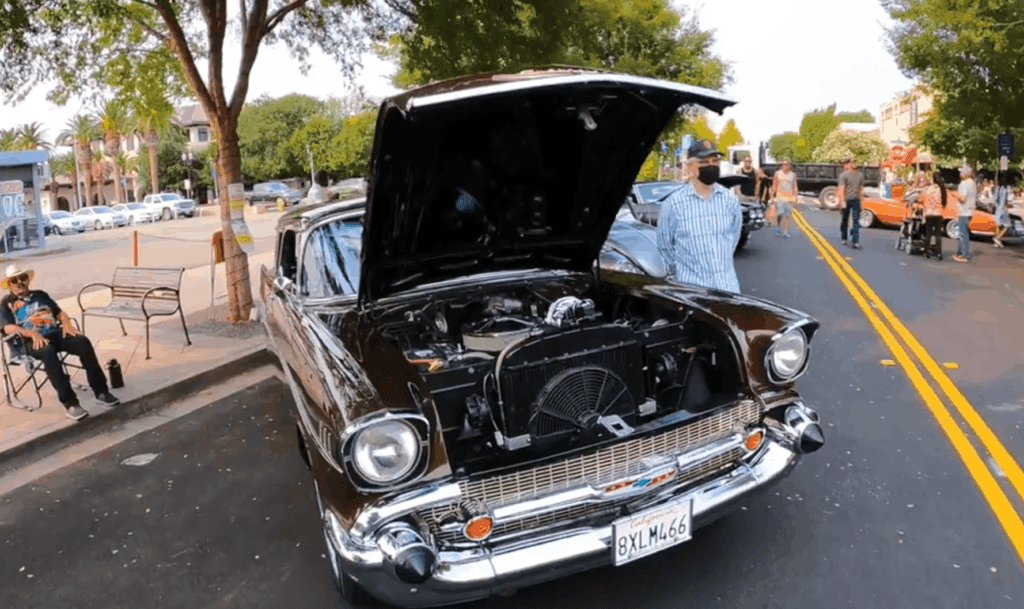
21,210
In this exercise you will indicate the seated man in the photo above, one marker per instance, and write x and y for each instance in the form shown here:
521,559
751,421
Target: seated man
46,331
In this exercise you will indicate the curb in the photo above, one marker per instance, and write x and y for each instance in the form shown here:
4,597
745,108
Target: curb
146,404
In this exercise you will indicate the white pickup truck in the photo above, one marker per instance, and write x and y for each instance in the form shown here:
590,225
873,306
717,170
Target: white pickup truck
170,205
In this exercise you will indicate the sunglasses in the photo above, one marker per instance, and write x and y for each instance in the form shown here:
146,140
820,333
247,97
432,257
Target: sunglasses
19,279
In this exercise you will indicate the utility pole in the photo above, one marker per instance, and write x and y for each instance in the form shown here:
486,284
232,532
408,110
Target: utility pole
311,171
78,184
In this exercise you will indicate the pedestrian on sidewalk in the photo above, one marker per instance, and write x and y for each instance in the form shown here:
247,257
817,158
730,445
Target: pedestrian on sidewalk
851,193
46,331
700,225
968,193
785,189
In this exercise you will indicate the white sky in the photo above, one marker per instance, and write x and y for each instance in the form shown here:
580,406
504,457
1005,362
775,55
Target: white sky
788,57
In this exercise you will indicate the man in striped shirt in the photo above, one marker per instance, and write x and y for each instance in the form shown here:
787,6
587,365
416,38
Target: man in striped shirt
700,224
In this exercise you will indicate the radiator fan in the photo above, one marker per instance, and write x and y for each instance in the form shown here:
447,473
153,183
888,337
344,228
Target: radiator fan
577,399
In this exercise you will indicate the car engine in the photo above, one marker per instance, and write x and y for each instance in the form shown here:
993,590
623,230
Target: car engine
523,374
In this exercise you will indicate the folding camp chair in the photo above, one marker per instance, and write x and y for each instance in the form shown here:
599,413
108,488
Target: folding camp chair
14,356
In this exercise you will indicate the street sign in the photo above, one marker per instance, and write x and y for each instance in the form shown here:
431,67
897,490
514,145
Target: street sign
1004,144
679,152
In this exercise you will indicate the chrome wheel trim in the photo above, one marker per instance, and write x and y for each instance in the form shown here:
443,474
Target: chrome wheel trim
866,219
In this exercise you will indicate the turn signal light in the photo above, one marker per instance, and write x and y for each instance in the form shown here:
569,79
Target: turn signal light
754,440
478,528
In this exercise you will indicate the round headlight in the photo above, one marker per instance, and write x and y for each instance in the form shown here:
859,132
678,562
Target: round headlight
386,451
788,354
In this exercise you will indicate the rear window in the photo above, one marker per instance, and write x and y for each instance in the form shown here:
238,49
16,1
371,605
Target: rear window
330,263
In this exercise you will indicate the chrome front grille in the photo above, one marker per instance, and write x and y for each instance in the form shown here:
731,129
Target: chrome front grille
607,464
595,468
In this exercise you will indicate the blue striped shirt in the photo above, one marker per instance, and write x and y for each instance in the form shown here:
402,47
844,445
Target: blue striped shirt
697,237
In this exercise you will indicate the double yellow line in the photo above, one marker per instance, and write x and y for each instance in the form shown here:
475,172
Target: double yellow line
875,310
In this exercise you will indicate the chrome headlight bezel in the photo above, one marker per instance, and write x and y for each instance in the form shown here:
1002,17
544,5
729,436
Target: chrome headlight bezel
778,372
413,423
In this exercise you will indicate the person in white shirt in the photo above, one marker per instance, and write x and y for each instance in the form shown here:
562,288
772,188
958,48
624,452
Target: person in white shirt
968,193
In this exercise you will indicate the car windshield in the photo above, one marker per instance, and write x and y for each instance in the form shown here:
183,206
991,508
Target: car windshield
276,187
136,206
330,263
83,212
168,197
101,210
59,214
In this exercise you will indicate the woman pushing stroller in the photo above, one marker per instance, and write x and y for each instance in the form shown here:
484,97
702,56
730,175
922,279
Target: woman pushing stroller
934,201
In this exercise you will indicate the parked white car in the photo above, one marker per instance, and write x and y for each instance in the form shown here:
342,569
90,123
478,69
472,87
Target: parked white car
170,205
64,223
137,213
100,216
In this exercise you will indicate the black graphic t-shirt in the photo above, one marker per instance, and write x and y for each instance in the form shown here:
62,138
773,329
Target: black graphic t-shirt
34,311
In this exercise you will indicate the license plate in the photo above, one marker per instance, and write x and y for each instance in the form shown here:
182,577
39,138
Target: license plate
651,531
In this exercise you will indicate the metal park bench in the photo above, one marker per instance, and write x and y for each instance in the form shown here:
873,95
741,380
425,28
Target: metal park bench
139,294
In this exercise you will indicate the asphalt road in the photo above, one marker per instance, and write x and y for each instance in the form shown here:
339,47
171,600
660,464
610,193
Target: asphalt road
885,515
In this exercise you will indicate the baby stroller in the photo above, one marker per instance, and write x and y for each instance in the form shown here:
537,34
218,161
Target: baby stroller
912,232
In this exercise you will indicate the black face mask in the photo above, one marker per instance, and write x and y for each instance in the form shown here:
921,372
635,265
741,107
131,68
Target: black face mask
708,175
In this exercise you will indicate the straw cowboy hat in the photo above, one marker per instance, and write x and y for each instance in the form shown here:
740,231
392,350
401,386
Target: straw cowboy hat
13,271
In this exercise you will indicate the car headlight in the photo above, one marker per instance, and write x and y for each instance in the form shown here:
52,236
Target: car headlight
787,356
387,451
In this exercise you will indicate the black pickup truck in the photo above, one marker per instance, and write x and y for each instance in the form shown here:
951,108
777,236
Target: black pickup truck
820,179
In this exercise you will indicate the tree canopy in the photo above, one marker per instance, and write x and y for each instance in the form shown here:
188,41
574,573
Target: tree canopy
968,54
815,126
865,148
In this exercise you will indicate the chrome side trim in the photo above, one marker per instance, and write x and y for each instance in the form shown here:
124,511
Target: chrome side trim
384,511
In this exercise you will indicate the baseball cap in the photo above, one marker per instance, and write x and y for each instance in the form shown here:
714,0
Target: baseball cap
702,149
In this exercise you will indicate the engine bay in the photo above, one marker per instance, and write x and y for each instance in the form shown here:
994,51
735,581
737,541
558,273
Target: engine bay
535,370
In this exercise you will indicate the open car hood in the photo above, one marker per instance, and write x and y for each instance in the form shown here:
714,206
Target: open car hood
507,171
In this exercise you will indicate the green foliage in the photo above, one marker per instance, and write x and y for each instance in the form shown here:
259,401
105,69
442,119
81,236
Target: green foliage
815,127
314,137
649,171
863,147
265,130
352,146
787,146
453,38
63,165
173,170
969,54
730,136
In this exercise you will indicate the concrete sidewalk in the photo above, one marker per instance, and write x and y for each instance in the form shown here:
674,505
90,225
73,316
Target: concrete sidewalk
219,349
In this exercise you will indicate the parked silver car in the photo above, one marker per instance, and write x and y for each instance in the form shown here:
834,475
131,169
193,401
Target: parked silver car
169,205
99,217
137,213
64,223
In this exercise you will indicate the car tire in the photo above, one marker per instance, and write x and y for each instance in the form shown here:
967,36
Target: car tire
867,218
829,197
166,215
56,231
744,237
953,229
131,221
97,226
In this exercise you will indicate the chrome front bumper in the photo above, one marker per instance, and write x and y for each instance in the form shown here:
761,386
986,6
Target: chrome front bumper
470,573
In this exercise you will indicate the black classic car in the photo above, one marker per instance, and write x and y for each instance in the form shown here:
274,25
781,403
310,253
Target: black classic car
482,406
646,199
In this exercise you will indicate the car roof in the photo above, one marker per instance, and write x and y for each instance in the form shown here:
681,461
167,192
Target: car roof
305,215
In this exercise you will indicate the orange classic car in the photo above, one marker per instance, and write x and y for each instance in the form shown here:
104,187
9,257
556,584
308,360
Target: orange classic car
876,210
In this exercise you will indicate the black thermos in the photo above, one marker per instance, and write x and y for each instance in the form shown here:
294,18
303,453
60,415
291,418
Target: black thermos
114,371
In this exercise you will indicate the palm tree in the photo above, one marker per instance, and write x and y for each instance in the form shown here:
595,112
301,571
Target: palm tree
81,131
152,120
99,175
62,165
30,136
8,137
114,125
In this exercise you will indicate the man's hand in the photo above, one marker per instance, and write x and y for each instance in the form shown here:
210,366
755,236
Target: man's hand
69,330
38,340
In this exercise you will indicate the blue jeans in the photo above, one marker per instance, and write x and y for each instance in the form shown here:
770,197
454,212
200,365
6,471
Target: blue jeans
963,223
851,211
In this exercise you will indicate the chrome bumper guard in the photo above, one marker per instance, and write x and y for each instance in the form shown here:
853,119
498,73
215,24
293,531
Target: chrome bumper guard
474,572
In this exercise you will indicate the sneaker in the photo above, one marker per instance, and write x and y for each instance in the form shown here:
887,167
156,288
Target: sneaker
76,412
107,399
786,236
959,258
856,246
778,232
845,242
997,243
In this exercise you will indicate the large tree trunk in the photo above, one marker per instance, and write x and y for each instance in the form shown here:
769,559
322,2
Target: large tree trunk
113,148
154,174
236,262
85,171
